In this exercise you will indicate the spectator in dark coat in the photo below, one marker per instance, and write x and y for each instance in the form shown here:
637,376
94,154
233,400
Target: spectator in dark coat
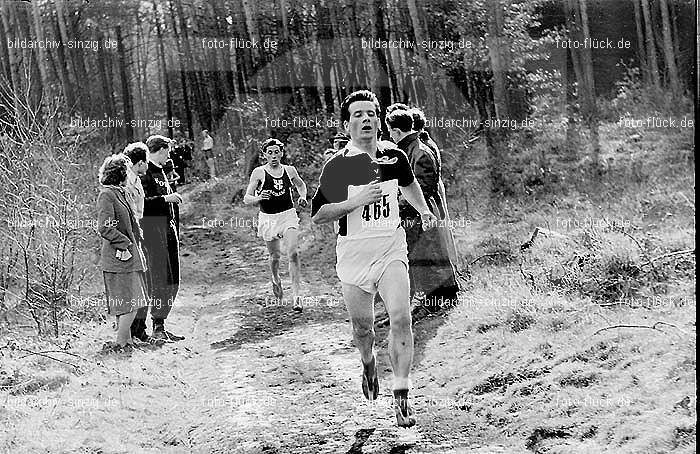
161,244
430,269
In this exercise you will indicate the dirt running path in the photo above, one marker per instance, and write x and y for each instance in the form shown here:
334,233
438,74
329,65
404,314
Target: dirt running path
271,380
251,377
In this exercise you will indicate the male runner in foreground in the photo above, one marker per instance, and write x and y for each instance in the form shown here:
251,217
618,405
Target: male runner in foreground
278,218
359,188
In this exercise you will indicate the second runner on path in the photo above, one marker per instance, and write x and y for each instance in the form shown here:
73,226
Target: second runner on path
270,187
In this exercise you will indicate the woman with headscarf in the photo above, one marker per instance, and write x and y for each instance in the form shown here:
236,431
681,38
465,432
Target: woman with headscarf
121,259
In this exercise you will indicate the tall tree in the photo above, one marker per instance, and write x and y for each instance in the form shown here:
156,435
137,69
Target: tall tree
183,75
103,60
498,57
64,58
641,51
127,104
7,19
200,99
652,65
382,71
421,53
39,33
164,69
669,54
496,137
587,63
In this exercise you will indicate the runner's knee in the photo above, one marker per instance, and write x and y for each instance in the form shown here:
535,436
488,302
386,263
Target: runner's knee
293,255
275,256
363,327
400,319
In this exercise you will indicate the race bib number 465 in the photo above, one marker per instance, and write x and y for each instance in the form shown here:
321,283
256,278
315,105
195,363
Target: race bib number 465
380,218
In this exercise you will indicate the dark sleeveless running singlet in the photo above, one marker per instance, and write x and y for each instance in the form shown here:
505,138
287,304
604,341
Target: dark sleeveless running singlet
281,189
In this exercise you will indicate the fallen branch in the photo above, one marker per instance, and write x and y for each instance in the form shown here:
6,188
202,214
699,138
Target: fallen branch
670,254
690,204
654,327
490,254
49,357
528,243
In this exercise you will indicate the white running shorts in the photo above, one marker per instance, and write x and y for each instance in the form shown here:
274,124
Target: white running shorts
274,226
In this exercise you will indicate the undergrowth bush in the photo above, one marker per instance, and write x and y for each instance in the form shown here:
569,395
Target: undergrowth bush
48,225
606,265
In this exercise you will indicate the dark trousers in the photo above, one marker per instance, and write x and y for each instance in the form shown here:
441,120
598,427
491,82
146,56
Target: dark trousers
180,171
162,252
429,266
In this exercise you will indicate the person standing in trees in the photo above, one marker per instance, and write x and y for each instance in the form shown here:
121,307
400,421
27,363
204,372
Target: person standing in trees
430,268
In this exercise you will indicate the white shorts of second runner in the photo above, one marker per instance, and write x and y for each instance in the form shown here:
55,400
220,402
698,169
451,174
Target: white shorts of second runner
274,226
362,261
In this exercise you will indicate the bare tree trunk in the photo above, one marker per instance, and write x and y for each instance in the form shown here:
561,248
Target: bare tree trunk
74,62
252,26
203,108
164,66
382,74
496,137
289,51
324,34
126,93
651,47
668,50
422,55
7,16
641,52
105,82
587,61
63,71
572,133
4,48
183,76
39,33
498,58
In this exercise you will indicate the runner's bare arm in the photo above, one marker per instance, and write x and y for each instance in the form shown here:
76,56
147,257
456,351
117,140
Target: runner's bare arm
255,180
414,196
297,181
330,212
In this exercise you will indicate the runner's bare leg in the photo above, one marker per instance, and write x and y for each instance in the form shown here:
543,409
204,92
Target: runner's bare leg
361,311
275,255
394,289
291,238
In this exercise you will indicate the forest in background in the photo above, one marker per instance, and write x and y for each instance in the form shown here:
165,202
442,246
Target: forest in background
227,65
81,79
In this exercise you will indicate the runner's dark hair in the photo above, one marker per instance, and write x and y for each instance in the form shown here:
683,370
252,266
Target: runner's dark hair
359,95
270,142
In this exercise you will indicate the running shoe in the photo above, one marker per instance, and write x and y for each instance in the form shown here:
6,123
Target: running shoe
370,382
404,412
